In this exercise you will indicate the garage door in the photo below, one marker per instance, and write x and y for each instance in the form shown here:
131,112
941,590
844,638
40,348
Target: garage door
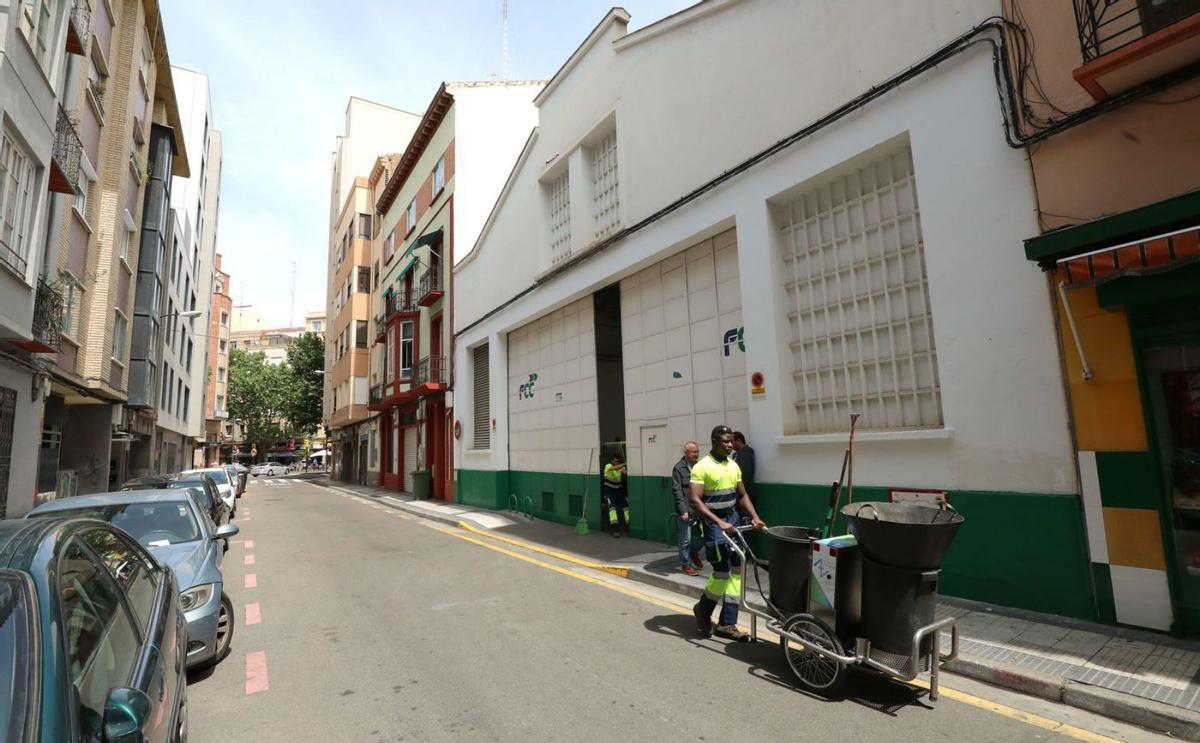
410,456
684,347
552,416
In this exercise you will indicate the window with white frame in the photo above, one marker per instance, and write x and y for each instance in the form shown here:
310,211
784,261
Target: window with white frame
220,374
605,200
858,302
16,203
439,176
389,360
83,195
560,218
389,244
37,19
406,350
127,235
72,296
120,325
410,216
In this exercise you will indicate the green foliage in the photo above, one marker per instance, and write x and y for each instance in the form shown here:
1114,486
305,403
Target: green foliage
258,397
305,358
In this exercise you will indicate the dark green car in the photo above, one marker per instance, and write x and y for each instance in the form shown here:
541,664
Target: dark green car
92,640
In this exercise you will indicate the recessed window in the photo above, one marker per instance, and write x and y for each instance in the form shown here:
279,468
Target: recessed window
605,200
120,326
406,349
560,218
16,201
410,216
439,176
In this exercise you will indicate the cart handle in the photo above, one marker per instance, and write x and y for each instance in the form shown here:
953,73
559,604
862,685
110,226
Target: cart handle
738,530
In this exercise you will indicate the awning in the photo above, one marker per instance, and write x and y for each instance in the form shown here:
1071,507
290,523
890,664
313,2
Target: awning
1141,257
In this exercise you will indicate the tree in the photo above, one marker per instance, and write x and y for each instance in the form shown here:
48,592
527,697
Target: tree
306,357
257,396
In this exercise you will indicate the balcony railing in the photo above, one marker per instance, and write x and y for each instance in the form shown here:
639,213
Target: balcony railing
429,289
431,370
376,394
79,27
64,160
1108,25
398,302
96,87
48,314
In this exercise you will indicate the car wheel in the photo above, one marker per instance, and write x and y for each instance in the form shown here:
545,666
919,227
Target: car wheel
181,715
225,622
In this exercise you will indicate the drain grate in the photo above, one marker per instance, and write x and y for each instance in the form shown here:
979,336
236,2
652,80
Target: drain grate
575,505
548,501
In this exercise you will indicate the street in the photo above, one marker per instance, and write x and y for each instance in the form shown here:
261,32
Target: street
357,622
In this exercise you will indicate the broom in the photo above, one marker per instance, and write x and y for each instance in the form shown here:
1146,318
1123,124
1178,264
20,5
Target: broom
581,526
835,492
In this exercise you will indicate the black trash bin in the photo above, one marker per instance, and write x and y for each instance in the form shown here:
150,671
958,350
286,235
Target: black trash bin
790,567
903,545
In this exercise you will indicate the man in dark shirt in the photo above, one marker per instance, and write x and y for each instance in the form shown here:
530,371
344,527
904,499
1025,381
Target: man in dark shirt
743,454
691,540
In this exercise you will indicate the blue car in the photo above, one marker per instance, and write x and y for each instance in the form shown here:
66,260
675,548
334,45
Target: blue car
181,536
92,637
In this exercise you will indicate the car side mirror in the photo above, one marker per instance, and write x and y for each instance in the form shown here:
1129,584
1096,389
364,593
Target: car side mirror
225,531
125,712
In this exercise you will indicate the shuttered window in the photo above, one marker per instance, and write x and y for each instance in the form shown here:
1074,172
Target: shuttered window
483,408
858,302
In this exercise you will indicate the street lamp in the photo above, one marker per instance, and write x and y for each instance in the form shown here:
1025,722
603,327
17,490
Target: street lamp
319,372
182,315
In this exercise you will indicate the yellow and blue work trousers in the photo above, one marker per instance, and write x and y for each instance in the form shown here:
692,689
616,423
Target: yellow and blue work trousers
724,586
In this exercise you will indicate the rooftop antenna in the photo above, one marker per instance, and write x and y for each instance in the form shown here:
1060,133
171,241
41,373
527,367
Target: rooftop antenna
504,39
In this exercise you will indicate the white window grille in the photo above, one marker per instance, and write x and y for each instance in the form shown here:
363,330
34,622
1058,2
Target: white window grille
560,218
16,204
605,199
858,302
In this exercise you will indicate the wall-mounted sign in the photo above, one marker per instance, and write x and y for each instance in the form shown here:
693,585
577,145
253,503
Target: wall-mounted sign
758,383
525,391
734,336
457,429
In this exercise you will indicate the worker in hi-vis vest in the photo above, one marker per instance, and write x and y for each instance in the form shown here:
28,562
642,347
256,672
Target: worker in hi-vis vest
614,493
717,494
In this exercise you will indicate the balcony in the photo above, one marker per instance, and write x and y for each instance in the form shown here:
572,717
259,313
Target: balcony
394,303
429,289
220,415
78,27
47,324
431,370
376,394
64,161
1126,43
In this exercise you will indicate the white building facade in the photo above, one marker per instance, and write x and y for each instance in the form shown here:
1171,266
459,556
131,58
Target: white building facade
657,264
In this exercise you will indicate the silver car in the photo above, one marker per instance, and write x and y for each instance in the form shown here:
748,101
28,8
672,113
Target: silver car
180,536
226,486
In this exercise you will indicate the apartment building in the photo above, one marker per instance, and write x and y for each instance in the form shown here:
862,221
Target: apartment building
431,208
124,101
42,44
1119,247
218,430
371,129
314,322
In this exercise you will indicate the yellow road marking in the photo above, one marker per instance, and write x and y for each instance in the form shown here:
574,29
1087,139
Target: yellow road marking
1029,718
616,570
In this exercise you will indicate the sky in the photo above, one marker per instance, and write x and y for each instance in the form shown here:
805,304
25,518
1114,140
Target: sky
281,73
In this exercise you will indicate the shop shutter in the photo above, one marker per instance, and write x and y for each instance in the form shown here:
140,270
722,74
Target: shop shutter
483,408
410,456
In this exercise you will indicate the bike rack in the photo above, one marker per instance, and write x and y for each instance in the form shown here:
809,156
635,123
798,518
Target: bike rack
514,505
529,507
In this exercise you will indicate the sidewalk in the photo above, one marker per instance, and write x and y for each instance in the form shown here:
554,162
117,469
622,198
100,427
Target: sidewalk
1138,677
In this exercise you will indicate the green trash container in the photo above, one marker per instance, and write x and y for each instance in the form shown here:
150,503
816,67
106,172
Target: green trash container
422,484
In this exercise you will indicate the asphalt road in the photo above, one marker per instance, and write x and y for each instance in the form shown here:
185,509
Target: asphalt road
377,626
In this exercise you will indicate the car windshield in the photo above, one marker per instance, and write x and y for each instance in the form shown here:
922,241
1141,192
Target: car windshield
195,486
153,524
15,659
218,474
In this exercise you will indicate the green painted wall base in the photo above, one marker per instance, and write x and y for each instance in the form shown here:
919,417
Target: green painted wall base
1025,550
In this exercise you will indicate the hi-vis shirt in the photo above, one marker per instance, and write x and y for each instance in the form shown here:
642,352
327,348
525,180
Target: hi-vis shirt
720,480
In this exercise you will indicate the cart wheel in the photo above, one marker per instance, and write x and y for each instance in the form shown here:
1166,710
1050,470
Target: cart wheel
813,670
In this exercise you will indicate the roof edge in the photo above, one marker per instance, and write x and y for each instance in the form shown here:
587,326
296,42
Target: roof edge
616,15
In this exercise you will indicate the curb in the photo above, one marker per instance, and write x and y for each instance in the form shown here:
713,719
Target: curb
1145,713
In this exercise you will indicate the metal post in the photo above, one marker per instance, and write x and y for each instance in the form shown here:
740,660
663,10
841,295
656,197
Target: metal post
934,663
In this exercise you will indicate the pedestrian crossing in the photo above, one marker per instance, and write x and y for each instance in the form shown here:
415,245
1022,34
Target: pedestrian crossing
271,482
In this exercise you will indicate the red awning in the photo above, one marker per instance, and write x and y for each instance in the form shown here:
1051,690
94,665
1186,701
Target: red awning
1138,258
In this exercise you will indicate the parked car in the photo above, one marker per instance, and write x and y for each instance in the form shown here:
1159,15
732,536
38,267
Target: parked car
226,487
243,473
270,469
201,485
171,526
92,623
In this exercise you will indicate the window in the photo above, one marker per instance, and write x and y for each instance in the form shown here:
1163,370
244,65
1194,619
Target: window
132,572
858,302
101,642
389,244
16,200
560,218
71,297
118,344
220,374
126,239
147,59
360,333
605,202
220,402
390,359
375,276
364,280
178,397
439,176
187,403
410,216
223,346
37,18
406,349
165,393
83,196
224,318
96,81
364,226
482,388
317,325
